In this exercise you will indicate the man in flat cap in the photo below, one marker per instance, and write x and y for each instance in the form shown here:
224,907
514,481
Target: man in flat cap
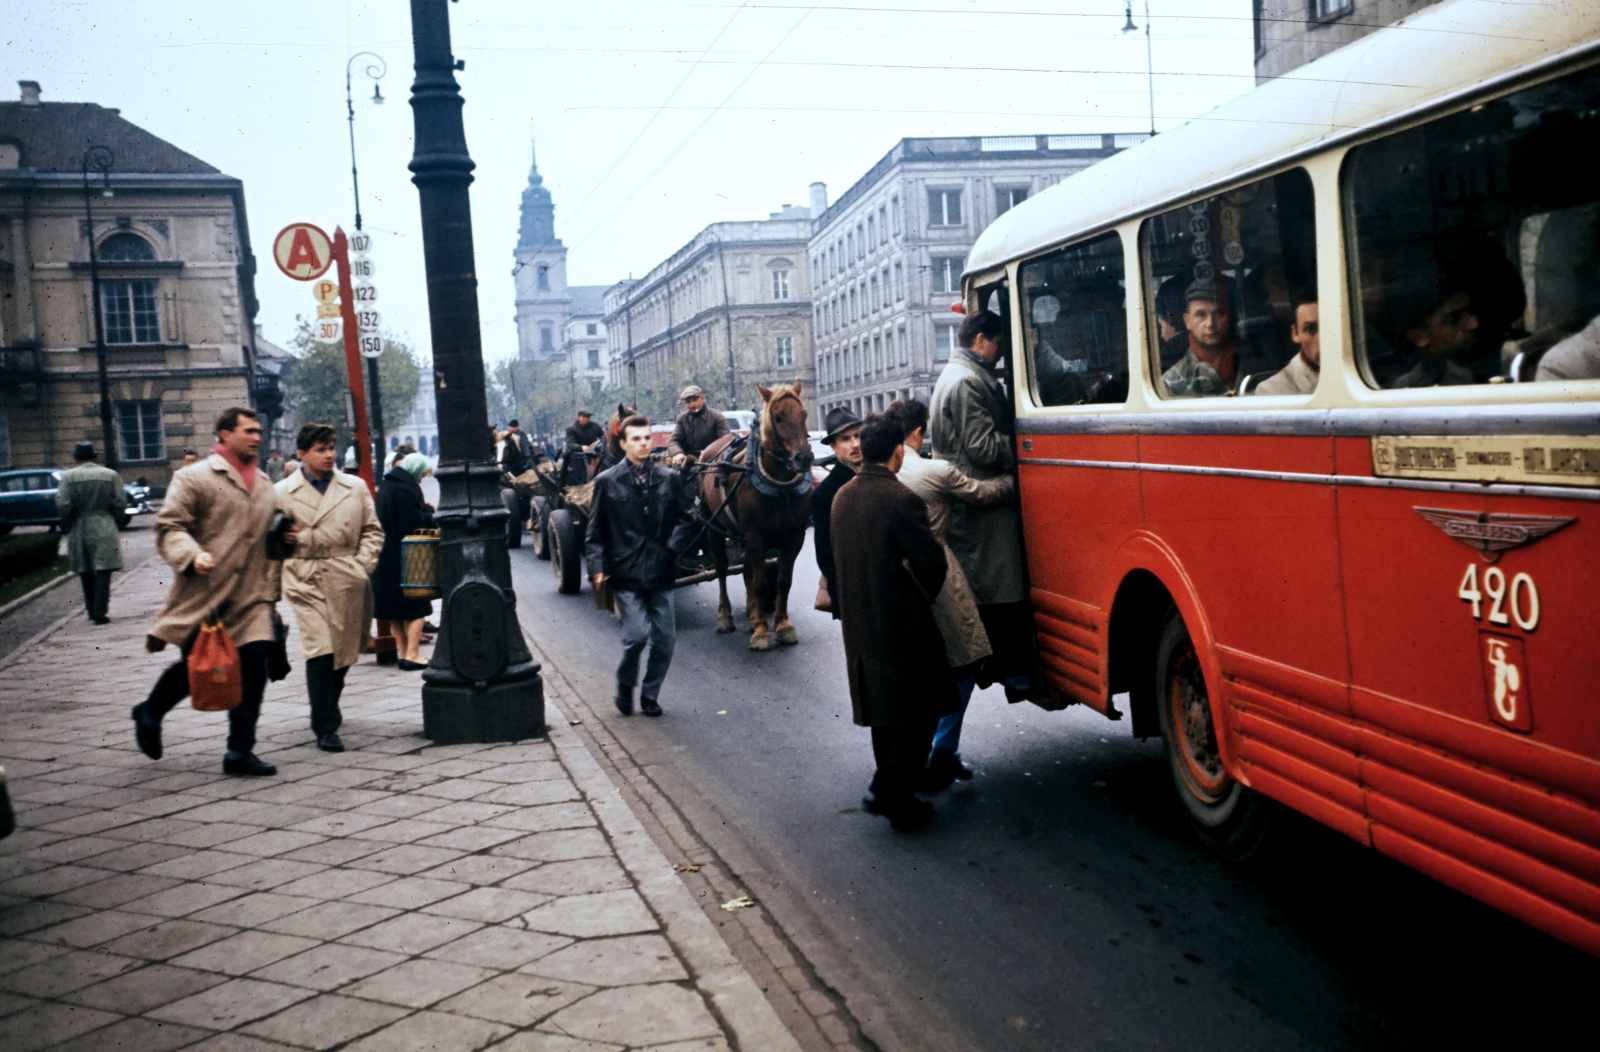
1210,366
844,438
697,427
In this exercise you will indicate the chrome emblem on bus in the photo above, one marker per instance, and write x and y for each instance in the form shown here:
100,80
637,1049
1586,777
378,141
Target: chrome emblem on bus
1491,533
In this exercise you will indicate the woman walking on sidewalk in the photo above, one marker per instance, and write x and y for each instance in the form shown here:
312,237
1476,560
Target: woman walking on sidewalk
401,510
327,578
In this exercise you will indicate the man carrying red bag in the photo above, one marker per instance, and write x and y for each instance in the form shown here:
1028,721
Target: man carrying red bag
212,530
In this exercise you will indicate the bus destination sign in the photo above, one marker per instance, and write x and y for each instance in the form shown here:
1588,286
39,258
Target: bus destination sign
1550,460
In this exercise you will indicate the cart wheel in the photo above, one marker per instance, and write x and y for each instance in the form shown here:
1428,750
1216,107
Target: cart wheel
1233,819
566,551
541,529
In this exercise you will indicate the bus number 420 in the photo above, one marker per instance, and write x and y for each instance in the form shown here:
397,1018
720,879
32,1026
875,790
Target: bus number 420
1516,601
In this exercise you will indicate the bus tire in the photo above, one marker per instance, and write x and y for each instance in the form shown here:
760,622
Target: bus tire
1231,818
566,551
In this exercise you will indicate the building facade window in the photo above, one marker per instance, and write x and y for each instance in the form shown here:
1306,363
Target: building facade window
591,328
125,248
874,292
944,342
780,284
546,336
543,275
944,207
946,274
594,357
905,347
894,215
872,230
129,309
1008,197
1323,10
139,436
883,224
785,351
899,281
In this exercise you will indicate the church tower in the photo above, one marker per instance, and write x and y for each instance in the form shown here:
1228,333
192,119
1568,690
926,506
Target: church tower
544,303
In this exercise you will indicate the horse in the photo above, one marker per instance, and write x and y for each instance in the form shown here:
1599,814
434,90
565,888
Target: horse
761,493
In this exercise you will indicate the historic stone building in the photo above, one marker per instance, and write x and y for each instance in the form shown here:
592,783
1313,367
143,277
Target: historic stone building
1290,33
885,260
731,308
546,304
177,284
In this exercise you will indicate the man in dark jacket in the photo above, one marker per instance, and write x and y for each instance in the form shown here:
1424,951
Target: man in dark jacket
885,579
638,519
844,436
697,427
516,456
584,432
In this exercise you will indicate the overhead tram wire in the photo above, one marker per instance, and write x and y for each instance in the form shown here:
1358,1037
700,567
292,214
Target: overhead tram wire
683,144
875,9
961,113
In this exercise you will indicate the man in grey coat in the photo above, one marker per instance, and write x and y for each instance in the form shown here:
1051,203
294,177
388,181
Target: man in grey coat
89,498
969,424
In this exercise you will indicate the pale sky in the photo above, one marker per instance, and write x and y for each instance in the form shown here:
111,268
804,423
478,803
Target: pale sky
652,119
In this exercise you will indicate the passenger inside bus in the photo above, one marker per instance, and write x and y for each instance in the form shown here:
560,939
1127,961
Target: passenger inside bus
1210,364
1169,318
1300,375
1452,325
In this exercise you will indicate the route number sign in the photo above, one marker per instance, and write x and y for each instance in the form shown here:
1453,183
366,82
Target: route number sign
371,345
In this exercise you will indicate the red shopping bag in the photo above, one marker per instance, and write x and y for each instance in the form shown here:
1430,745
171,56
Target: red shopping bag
214,679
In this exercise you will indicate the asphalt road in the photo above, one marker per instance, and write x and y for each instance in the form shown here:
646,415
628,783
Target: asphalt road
1058,901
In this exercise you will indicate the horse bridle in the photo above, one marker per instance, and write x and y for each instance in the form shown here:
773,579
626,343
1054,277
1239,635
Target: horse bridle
780,455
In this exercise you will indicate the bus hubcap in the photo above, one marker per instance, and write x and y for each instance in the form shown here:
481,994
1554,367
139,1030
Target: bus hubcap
1191,720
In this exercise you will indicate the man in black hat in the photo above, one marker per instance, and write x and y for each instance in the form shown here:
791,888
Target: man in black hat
516,456
844,436
89,499
697,427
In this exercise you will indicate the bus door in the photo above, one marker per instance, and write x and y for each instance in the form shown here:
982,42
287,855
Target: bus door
1468,529
1079,495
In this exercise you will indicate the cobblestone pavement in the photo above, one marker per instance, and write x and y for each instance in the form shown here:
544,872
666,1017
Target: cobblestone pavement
396,896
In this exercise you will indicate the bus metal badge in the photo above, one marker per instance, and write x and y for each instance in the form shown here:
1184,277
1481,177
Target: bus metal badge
1491,533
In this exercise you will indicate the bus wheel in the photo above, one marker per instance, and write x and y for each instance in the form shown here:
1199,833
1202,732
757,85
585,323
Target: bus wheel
1229,817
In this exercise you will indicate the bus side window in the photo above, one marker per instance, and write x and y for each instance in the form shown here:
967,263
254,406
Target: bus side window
1475,252
1074,324
1234,279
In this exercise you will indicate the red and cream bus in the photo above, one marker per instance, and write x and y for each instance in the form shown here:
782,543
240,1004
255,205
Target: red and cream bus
1308,439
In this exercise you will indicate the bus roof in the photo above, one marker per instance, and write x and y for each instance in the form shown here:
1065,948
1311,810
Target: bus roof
1454,46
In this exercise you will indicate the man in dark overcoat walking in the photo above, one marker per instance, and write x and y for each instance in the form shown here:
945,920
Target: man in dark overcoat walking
888,568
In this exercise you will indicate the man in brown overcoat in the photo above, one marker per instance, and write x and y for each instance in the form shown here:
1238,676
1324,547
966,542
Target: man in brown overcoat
212,531
887,568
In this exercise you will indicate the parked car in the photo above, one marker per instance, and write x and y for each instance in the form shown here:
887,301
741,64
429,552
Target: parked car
28,498
660,435
740,421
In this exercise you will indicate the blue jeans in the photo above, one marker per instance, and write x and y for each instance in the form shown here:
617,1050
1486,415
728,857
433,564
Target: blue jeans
646,617
947,735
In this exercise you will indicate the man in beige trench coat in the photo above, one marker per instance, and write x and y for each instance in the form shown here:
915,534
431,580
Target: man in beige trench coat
328,578
212,531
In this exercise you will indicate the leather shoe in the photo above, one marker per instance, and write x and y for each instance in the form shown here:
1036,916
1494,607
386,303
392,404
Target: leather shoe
903,815
942,770
246,763
649,706
147,732
624,700
102,620
411,666
330,743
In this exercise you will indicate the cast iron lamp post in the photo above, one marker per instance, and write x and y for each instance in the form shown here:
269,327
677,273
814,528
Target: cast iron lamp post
1149,68
482,684
375,69
101,159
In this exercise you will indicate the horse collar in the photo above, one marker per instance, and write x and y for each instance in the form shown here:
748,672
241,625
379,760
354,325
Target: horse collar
798,486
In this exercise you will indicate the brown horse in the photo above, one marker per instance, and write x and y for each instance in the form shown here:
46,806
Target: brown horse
762,494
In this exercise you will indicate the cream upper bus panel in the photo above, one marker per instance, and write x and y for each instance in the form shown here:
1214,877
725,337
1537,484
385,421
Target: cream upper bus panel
1446,50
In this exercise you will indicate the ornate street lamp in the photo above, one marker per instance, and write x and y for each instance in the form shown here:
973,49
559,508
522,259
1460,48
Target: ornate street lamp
482,684
1149,68
375,69
100,159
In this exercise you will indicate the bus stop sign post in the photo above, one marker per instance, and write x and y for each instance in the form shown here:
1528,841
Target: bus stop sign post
352,358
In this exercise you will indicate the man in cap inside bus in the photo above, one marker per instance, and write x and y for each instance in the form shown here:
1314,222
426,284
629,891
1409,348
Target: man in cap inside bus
1210,366
697,427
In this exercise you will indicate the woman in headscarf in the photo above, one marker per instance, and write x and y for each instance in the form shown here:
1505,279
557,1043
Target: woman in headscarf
401,510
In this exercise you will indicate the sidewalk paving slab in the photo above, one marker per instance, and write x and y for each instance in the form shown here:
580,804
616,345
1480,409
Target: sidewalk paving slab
397,895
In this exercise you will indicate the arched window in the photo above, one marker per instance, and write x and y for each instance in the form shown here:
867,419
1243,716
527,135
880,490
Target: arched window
126,248
543,274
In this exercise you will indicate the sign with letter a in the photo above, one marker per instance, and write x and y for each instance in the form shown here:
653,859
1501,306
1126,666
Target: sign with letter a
302,251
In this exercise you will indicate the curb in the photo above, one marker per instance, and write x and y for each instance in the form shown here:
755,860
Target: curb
28,597
47,630
718,974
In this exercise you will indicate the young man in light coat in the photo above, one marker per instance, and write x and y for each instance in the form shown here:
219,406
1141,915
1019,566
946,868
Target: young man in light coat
212,530
89,498
328,579
942,485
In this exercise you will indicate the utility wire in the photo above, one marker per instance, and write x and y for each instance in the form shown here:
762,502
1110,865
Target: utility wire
964,113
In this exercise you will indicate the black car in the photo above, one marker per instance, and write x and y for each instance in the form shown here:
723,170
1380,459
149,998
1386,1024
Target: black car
28,498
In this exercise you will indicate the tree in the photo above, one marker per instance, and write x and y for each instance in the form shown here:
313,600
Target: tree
316,385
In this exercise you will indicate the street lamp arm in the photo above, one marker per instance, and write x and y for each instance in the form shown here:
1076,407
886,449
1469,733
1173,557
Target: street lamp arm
376,68
100,158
